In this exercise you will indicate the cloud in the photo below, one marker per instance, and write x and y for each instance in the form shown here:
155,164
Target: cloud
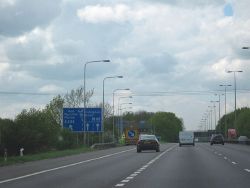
156,45
22,16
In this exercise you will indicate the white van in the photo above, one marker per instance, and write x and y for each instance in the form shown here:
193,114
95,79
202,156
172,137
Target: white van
186,138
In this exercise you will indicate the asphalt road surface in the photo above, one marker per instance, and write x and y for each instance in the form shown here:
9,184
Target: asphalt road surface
187,166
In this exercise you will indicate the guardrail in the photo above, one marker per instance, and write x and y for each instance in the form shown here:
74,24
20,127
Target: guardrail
103,145
245,142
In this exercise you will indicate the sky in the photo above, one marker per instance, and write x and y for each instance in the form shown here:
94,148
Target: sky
172,54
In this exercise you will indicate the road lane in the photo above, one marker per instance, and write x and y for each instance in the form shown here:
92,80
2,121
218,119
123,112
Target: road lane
237,154
190,166
104,172
187,166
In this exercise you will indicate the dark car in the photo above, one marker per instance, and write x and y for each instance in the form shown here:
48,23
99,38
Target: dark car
217,139
148,142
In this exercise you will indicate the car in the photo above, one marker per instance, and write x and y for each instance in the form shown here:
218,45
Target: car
147,142
217,139
242,139
186,138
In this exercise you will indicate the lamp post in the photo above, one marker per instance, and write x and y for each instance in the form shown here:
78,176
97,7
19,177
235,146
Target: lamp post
215,121
114,110
211,116
103,109
225,86
118,114
219,103
84,91
230,71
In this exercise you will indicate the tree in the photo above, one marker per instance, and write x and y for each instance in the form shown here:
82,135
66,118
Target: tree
76,97
55,109
243,122
167,125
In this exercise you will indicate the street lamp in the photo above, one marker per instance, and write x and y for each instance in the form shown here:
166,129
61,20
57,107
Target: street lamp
225,86
211,116
214,112
219,102
119,128
84,91
234,93
114,110
108,77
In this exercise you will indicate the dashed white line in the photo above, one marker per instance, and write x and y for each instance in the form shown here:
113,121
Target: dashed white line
234,163
247,170
125,181
225,158
120,185
133,175
130,177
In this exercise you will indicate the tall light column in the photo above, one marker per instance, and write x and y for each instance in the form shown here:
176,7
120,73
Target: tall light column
215,119
103,108
114,110
84,91
118,129
225,86
230,71
219,103
211,115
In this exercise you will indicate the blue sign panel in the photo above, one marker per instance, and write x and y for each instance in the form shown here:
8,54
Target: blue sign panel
131,133
93,119
73,119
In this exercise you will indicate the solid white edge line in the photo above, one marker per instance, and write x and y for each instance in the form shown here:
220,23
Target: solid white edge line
61,167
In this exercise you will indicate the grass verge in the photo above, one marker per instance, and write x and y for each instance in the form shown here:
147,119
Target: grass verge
40,156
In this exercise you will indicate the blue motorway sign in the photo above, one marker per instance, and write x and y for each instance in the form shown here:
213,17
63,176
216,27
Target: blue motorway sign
131,133
93,118
73,119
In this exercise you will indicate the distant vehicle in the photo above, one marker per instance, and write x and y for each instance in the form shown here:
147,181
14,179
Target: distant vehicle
242,139
186,138
148,142
217,139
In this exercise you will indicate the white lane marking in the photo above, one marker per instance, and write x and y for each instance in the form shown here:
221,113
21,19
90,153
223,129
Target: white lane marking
220,154
234,163
120,185
132,176
125,181
225,158
129,178
62,167
247,170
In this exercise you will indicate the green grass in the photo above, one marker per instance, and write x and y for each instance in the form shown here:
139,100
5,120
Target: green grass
40,156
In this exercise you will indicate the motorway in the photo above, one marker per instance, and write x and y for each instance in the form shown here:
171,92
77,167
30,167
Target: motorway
187,166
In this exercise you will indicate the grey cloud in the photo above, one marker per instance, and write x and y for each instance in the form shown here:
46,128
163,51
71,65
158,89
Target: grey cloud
189,3
35,49
67,71
159,64
25,15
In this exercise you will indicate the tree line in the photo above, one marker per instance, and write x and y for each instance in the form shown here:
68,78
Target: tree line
39,130
242,123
